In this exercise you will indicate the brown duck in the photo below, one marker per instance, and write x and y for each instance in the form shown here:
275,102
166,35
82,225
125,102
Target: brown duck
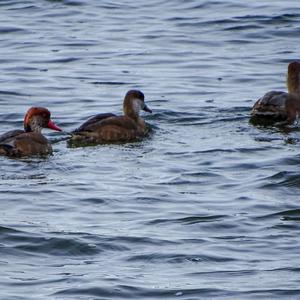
281,106
109,128
30,141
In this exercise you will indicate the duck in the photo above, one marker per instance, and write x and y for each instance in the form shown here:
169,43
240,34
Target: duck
30,141
110,128
281,107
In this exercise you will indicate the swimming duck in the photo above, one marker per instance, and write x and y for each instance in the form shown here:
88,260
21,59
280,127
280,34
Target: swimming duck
281,106
109,128
30,141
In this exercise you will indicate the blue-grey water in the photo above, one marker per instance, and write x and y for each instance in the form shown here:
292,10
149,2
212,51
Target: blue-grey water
206,207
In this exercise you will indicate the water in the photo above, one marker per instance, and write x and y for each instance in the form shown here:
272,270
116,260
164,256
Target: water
206,207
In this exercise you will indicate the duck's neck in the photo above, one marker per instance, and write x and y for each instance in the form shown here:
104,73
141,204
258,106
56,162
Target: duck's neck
131,110
33,125
293,82
132,116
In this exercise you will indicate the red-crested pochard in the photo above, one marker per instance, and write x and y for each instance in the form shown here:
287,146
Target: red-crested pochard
281,106
109,128
30,141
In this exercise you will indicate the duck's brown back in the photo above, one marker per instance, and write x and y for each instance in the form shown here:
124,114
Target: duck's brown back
93,120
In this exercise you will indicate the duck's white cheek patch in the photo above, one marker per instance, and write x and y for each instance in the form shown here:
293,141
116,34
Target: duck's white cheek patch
137,105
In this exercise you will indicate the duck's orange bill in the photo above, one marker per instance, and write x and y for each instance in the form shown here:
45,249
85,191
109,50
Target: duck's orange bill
51,125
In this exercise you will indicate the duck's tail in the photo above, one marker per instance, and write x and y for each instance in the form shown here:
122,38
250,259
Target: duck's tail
6,149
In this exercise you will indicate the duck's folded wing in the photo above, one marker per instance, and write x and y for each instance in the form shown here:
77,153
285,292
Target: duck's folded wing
4,138
27,144
272,103
92,121
123,122
7,141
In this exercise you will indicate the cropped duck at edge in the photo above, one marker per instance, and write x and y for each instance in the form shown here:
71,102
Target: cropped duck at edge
109,128
281,106
30,141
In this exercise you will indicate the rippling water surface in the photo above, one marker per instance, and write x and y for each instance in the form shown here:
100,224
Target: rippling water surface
206,207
